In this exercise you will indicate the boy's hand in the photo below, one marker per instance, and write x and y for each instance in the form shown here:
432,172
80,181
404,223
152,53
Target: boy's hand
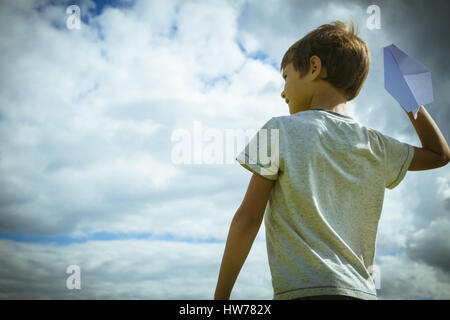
410,113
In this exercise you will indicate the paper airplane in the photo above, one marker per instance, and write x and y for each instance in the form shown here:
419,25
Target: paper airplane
406,79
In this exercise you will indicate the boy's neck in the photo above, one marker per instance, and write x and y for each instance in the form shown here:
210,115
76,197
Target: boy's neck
340,108
327,97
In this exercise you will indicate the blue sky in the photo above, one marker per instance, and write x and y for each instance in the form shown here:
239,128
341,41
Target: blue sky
86,119
102,236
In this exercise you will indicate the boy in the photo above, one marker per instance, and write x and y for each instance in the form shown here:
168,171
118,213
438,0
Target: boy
325,180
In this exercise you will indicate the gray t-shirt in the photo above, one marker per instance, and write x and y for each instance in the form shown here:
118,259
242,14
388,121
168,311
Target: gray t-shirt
322,216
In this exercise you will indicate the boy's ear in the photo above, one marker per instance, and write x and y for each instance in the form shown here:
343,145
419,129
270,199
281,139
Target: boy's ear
316,68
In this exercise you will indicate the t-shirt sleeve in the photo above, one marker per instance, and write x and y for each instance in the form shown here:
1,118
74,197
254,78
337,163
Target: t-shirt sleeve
398,157
262,154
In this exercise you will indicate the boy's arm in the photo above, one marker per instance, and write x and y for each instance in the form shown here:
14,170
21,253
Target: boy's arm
429,133
435,152
243,230
239,242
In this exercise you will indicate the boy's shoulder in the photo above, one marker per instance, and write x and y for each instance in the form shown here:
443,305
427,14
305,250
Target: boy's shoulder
294,119
286,118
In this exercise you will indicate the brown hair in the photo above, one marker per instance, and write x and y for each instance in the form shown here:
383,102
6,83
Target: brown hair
345,56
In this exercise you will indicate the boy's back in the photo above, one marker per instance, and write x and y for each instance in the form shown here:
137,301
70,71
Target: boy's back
322,216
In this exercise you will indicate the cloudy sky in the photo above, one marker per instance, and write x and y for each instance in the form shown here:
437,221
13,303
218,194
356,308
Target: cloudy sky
88,175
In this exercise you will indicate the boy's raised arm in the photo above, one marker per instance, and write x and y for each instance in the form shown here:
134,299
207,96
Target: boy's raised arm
429,134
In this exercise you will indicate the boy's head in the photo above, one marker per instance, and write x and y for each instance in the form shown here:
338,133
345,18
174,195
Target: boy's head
327,66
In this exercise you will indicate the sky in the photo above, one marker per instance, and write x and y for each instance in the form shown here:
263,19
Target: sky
88,175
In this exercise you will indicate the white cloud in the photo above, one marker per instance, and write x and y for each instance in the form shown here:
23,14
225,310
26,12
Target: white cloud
132,269
405,279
